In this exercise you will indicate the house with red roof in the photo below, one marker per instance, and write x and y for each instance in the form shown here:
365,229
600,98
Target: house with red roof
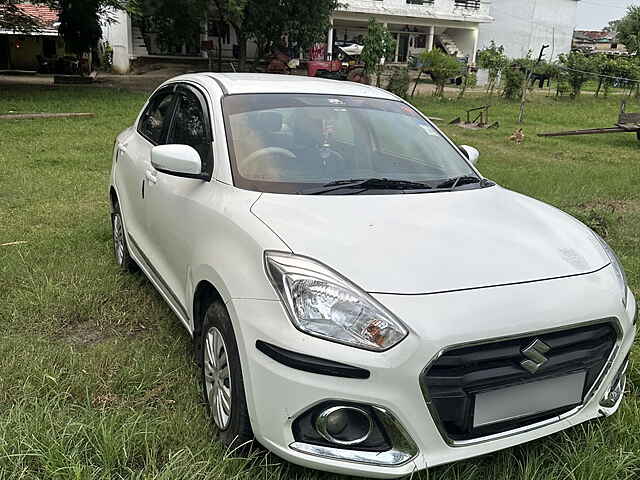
30,50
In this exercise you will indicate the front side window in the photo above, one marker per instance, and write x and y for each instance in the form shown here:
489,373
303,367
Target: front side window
156,116
189,127
295,143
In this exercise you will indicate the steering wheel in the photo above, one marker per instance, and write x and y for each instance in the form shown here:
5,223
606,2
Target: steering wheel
251,164
329,155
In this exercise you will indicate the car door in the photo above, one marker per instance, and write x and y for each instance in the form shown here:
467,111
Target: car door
176,205
134,166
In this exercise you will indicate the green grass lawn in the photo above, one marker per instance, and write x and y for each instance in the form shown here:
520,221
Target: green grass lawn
96,374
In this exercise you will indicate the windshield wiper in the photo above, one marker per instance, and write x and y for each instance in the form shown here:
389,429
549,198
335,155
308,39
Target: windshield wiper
453,183
367,184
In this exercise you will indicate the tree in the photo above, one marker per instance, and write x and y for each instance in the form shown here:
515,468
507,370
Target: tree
615,72
80,21
12,17
513,78
80,25
578,68
628,29
232,12
173,30
308,21
442,67
378,46
303,21
494,60
470,80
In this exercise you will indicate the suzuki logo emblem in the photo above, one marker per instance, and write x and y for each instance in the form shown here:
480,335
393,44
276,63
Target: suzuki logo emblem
535,356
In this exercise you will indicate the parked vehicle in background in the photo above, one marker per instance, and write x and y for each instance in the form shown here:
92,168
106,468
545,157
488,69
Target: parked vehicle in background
361,299
347,65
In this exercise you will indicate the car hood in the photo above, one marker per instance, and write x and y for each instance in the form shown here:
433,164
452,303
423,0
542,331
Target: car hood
433,242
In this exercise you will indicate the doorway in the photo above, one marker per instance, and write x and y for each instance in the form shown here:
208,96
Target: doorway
403,48
4,52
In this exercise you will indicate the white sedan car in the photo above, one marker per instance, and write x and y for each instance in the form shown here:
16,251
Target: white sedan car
362,300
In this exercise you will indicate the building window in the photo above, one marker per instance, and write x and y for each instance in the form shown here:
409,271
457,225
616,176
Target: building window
475,4
419,2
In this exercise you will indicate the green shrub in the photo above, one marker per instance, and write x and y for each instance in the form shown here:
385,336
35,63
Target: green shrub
442,67
578,69
399,82
513,78
494,60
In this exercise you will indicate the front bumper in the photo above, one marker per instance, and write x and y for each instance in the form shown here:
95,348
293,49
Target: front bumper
277,394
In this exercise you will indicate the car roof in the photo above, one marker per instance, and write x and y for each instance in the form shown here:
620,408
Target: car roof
245,83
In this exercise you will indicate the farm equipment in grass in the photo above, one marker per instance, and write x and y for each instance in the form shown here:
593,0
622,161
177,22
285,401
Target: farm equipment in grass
346,67
627,123
480,119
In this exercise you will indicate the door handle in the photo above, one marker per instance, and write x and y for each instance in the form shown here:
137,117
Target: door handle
121,151
151,177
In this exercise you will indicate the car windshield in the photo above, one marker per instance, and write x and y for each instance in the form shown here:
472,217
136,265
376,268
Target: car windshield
301,143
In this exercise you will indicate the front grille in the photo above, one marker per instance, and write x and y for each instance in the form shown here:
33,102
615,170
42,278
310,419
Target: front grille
454,379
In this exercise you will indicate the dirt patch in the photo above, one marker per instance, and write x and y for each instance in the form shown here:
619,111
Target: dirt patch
103,402
83,334
613,206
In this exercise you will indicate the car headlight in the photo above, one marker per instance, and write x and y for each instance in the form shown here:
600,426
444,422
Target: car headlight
617,266
322,303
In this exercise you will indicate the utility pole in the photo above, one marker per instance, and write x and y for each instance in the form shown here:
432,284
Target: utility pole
527,79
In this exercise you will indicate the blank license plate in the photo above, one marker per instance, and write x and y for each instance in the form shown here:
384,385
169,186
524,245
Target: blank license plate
529,399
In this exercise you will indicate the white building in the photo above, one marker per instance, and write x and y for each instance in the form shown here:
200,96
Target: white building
418,25
525,25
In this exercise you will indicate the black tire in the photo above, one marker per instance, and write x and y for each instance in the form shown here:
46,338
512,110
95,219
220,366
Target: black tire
120,246
238,433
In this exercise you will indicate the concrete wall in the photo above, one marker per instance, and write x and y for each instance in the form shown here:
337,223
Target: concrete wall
528,24
118,34
439,9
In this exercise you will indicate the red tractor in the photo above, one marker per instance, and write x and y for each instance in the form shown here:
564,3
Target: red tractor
347,67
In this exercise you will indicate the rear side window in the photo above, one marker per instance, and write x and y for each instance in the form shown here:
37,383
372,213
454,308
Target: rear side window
190,127
156,117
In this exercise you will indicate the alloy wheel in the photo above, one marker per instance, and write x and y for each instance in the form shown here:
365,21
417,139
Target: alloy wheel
217,378
118,239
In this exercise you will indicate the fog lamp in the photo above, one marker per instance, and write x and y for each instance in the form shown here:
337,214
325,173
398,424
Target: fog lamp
344,425
615,391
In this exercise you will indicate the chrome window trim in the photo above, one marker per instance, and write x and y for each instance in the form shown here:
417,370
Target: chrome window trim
613,321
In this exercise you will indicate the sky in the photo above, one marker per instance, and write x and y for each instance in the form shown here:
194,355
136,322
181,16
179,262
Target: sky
596,14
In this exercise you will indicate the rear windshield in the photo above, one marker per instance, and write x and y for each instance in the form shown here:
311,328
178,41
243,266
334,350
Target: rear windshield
291,143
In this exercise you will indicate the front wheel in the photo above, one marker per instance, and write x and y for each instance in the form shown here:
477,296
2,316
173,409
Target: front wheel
222,382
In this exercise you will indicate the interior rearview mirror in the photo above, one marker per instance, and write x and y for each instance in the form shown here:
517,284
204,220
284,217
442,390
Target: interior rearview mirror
179,160
471,153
